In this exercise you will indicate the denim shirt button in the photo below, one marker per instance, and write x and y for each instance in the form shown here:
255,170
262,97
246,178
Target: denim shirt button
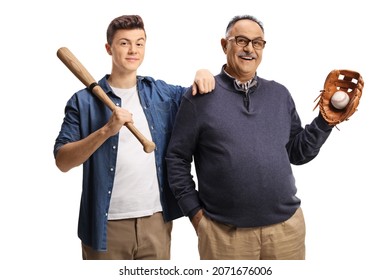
113,147
112,169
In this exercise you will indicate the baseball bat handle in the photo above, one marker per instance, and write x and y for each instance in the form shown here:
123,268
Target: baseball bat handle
77,68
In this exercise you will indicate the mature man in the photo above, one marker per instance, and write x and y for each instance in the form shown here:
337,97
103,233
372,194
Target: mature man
244,136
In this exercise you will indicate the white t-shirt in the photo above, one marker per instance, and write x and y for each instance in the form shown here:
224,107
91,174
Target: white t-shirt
136,191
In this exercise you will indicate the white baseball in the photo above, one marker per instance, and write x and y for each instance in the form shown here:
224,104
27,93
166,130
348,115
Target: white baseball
340,99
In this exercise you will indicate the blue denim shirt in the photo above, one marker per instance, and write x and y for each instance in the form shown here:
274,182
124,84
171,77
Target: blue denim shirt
84,114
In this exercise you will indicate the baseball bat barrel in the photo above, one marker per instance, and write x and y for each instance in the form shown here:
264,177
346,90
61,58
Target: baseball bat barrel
77,68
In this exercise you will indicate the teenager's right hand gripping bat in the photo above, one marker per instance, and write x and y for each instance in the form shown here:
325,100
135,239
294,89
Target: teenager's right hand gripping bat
75,66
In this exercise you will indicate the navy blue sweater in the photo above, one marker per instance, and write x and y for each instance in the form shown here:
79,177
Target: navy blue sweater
243,145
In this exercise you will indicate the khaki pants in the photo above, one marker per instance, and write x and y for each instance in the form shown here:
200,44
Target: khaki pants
283,241
146,238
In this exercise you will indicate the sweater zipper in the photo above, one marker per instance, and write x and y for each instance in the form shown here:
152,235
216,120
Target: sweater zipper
246,100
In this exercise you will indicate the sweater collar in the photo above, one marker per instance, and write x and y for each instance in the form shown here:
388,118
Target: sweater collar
240,85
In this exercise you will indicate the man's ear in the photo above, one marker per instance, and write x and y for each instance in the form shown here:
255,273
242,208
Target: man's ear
224,45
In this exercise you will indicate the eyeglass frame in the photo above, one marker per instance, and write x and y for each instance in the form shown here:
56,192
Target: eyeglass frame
247,41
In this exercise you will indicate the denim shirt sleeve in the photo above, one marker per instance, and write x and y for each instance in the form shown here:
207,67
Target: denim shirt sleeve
76,125
70,131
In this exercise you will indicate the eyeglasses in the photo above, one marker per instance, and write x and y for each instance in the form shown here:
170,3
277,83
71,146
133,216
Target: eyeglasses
243,41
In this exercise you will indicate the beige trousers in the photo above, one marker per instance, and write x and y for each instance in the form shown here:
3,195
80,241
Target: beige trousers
283,241
146,238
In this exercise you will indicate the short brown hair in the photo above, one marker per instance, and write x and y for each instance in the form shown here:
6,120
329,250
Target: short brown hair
124,22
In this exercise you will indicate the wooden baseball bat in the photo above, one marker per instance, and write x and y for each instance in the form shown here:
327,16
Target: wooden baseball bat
75,66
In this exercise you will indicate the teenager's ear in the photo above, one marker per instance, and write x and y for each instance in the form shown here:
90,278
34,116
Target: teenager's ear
108,49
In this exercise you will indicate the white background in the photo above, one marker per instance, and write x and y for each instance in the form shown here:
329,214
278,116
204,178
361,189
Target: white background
343,191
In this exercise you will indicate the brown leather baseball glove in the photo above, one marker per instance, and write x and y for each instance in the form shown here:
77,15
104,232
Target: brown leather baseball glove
348,81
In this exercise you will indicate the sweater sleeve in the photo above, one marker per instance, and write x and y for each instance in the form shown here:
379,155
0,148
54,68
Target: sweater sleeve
179,157
305,143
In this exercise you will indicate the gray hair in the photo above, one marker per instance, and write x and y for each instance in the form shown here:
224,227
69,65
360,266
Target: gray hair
237,18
